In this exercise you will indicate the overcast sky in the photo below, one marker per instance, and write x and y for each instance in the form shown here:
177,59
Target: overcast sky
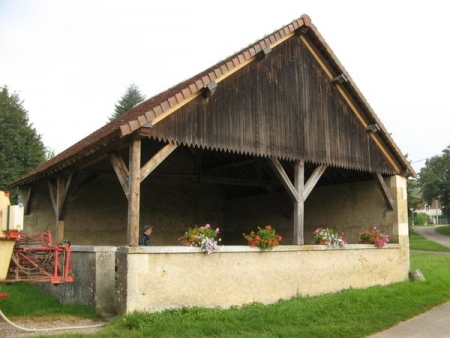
71,61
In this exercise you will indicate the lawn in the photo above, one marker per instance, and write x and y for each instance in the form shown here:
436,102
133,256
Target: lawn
444,230
349,313
417,242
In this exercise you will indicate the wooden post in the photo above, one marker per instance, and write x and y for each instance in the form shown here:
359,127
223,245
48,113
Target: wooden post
60,197
299,192
134,193
299,184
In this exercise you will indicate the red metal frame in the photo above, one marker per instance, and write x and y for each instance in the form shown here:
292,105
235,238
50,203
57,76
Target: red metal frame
35,259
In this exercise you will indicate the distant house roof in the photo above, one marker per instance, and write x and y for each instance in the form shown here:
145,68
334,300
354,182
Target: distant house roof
156,109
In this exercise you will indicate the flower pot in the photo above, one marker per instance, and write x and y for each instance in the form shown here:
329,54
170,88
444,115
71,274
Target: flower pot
365,241
321,241
185,241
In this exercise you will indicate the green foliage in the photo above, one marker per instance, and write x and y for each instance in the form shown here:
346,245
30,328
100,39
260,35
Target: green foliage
435,180
420,218
412,186
21,147
131,98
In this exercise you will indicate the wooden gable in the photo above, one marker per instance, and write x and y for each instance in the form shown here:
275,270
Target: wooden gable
283,105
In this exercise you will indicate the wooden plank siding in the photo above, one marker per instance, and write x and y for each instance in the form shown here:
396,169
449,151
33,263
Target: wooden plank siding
284,106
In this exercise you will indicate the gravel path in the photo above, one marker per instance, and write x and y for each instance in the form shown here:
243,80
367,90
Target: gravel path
46,326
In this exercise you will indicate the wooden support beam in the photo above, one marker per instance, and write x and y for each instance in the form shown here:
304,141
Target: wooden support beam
313,179
156,160
284,178
299,206
385,191
121,171
52,192
299,192
69,186
60,197
83,185
29,199
134,200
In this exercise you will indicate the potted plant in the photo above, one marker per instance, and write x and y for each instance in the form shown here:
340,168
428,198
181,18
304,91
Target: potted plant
373,236
204,237
264,238
328,236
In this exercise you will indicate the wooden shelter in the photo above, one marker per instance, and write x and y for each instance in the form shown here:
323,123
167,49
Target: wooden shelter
276,133
281,114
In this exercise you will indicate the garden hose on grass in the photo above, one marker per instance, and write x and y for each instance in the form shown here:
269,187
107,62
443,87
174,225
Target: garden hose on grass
48,329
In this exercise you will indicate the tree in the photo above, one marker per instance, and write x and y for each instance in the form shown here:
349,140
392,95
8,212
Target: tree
434,180
131,98
21,147
412,186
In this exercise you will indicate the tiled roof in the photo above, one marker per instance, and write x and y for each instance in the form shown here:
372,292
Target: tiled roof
158,107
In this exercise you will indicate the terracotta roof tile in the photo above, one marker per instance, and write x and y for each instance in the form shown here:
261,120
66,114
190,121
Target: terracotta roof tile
206,80
125,129
193,88
150,115
186,92
179,97
142,120
223,69
218,72
165,106
212,76
172,101
199,84
134,125
158,110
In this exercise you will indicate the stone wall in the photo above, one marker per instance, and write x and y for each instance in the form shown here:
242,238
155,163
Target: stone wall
154,279
98,215
347,207
94,269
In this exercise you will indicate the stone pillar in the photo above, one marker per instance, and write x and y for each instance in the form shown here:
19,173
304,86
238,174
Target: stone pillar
398,218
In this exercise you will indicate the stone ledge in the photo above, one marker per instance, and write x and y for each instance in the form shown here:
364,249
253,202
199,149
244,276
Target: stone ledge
87,248
246,248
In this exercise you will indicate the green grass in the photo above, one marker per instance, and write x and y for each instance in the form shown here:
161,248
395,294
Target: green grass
349,313
26,300
444,230
417,242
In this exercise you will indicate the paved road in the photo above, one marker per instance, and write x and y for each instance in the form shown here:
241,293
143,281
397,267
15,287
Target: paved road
432,324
